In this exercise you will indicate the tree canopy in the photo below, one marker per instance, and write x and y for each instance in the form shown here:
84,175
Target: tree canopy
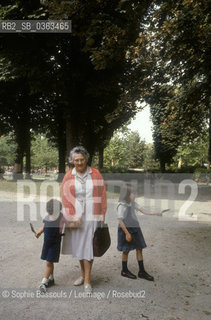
172,56
80,87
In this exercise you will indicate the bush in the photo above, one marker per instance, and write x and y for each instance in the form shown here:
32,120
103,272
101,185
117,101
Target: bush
187,169
114,170
202,175
1,173
202,170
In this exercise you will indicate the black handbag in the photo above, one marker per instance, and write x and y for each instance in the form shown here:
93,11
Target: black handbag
101,240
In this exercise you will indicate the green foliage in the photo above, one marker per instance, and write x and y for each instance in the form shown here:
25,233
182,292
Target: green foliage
7,150
85,85
150,164
173,58
87,70
193,153
202,175
124,150
44,153
114,170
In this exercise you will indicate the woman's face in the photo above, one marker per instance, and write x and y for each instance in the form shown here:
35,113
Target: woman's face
80,162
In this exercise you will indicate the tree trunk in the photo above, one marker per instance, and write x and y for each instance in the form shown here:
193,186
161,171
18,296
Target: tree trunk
62,158
162,165
90,147
62,155
72,139
18,166
68,137
180,162
100,163
28,153
75,137
209,149
61,146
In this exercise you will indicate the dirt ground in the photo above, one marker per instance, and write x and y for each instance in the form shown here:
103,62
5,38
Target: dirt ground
177,255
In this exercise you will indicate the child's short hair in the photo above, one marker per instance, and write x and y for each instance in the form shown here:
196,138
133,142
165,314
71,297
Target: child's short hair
125,192
53,206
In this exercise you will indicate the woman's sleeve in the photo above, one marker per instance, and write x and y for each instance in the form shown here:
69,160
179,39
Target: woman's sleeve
103,196
104,200
64,199
67,196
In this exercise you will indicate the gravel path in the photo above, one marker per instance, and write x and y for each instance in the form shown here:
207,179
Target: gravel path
178,256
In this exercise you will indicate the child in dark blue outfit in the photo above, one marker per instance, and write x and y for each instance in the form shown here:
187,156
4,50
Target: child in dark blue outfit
130,236
52,240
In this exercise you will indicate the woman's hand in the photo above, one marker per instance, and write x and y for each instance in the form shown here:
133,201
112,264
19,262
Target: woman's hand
128,237
74,224
78,222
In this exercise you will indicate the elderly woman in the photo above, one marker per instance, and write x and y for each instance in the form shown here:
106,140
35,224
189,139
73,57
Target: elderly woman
84,199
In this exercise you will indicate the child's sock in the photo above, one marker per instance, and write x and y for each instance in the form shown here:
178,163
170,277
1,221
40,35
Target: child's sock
51,277
141,265
124,266
45,281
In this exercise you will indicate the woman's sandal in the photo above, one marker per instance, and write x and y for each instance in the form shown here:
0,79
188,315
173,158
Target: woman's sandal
79,281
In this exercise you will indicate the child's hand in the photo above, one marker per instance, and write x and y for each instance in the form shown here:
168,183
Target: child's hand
128,237
37,234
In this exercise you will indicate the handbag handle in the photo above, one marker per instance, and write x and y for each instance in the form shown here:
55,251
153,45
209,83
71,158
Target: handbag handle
101,224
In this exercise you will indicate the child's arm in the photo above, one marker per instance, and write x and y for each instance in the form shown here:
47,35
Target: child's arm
158,213
145,211
38,234
128,235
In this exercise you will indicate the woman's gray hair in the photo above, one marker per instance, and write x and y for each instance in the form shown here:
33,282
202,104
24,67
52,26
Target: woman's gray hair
78,150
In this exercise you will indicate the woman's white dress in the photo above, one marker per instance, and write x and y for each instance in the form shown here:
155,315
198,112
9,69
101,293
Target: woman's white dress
79,242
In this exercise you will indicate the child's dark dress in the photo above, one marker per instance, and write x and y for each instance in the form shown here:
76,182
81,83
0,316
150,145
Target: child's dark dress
52,239
127,214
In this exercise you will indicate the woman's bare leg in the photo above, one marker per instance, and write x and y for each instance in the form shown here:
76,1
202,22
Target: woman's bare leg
82,268
87,271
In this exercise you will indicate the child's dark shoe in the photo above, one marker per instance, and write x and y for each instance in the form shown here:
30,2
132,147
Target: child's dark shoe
50,282
128,274
145,275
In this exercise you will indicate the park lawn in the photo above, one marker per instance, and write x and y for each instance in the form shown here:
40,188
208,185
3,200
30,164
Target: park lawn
9,186
12,186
